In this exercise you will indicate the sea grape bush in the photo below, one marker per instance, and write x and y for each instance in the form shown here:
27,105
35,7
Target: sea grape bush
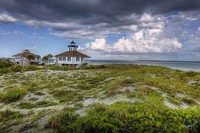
125,117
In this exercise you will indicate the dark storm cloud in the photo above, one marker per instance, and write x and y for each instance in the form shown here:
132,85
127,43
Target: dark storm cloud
95,10
91,16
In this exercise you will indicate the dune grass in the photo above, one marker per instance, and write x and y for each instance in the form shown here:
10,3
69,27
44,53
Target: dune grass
13,95
79,92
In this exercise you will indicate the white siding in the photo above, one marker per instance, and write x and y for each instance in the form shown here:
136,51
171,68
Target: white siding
36,60
73,61
18,59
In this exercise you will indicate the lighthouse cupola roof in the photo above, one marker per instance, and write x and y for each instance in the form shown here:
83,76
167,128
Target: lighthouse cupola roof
72,46
72,42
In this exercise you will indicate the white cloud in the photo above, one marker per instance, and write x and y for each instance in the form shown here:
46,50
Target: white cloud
152,22
191,18
146,18
147,41
98,44
34,23
5,18
131,17
123,45
158,25
143,41
183,17
133,27
62,25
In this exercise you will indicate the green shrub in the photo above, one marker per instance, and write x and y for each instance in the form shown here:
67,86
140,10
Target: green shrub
17,68
26,105
63,121
127,81
65,95
124,117
30,68
174,100
9,115
191,73
188,101
32,86
83,86
63,68
45,103
13,95
5,70
5,64
93,67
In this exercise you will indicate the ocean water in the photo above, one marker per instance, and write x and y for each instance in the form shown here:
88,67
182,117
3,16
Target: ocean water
180,65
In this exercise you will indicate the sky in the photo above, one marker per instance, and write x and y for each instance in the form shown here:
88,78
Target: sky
103,29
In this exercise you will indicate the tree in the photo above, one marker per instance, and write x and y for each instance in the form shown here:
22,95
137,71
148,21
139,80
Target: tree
30,57
46,57
50,55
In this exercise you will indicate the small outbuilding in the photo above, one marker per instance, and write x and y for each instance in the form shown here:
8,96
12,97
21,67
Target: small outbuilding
25,58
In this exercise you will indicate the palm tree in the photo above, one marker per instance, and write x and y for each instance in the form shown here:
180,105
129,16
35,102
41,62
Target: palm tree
46,57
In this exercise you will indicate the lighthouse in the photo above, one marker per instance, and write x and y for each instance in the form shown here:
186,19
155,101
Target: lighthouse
72,57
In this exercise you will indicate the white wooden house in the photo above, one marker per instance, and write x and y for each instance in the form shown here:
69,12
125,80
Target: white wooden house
22,59
72,57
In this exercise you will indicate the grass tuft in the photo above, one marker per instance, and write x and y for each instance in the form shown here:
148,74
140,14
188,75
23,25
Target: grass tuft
13,95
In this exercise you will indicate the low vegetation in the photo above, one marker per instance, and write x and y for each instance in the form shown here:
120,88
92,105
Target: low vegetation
9,115
5,63
126,117
12,95
104,98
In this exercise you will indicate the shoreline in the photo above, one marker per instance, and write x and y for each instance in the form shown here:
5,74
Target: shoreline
185,69
175,68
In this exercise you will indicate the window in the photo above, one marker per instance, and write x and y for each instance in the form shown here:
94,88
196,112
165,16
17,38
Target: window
64,58
68,58
51,60
70,49
77,59
60,58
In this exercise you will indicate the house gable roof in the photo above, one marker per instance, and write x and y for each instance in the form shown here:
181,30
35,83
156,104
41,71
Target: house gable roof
25,53
72,54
